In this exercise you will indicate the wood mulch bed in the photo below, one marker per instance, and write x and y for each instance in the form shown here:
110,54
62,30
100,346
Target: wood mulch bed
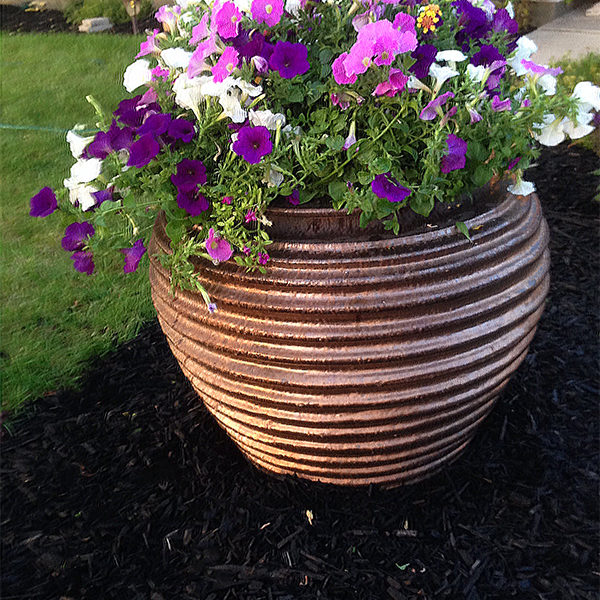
128,488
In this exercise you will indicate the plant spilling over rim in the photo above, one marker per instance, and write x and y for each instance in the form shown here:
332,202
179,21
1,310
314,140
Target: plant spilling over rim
378,105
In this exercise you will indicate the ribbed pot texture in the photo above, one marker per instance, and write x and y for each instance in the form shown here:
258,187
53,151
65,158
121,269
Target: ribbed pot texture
360,358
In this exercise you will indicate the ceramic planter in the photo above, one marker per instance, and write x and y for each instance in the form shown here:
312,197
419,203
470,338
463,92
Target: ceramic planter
360,358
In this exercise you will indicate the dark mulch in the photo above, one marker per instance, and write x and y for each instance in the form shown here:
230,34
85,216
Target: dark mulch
128,489
18,19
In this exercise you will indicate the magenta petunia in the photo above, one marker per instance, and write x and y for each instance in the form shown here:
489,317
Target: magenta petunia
513,163
263,258
227,200
142,151
226,21
540,69
181,129
385,186
43,203
227,62
339,70
149,46
289,59
133,256
250,217
190,174
200,32
193,202
75,236
267,11
386,41
455,159
197,62
253,143
83,262
158,73
430,112
218,248
394,85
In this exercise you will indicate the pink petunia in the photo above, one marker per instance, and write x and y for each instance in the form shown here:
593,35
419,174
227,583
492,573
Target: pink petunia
226,64
339,70
200,32
149,46
267,11
218,248
226,20
394,85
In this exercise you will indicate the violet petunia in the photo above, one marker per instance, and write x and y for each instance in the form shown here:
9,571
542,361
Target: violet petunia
455,159
263,258
190,174
218,248
267,11
394,85
133,256
513,163
75,236
430,112
193,202
253,143
83,262
43,203
121,138
155,124
181,129
294,197
100,147
386,187
500,105
102,196
142,151
289,59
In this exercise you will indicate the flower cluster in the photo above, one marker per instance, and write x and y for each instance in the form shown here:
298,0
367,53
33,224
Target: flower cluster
382,105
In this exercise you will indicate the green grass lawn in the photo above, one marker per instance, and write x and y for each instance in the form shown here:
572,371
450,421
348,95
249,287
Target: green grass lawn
54,320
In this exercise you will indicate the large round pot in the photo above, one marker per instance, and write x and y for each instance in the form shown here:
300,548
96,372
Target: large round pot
360,358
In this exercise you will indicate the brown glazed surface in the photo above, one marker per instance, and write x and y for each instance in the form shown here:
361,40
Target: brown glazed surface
359,359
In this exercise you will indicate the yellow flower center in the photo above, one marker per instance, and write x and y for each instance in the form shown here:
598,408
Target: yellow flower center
366,61
268,9
214,244
229,67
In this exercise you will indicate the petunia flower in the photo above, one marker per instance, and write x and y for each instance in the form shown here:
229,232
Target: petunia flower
168,16
181,129
339,70
250,217
394,85
433,109
133,256
267,11
200,31
475,116
190,174
263,258
43,203
424,56
455,159
226,20
142,151
385,186
500,105
294,197
218,248
266,118
193,202
227,200
77,143
441,75
551,131
289,59
253,143
155,124
83,262
176,58
149,46
197,62
522,188
227,62
75,236
137,74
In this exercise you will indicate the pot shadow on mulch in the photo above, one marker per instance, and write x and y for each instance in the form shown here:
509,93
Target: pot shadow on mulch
128,488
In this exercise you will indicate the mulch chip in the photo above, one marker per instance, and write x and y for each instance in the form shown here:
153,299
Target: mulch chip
128,488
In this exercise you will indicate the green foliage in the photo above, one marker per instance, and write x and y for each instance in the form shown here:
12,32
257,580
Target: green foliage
78,10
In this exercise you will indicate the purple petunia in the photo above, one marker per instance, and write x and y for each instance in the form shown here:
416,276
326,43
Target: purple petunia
294,197
289,59
430,112
100,146
263,258
155,124
253,143
218,248
425,57
75,236
489,56
133,256
190,174
43,203
385,186
83,262
455,159
513,163
121,138
193,202
500,105
102,196
181,129
142,151
473,23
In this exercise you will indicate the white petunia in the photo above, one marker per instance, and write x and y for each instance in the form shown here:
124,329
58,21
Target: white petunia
510,10
188,92
416,84
589,95
84,171
77,143
524,50
266,119
441,75
552,131
450,56
476,73
137,74
522,188
176,58
548,83
293,7
81,193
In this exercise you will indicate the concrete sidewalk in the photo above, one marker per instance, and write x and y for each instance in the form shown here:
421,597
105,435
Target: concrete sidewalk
573,35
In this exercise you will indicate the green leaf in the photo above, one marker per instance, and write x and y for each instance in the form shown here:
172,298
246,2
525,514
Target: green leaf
463,229
336,143
364,177
381,165
295,94
337,189
483,173
175,230
422,205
